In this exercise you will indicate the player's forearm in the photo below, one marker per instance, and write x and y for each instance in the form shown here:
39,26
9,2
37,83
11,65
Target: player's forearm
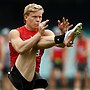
28,44
47,42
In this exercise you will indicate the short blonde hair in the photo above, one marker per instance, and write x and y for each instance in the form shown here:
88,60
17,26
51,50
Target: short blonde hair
32,8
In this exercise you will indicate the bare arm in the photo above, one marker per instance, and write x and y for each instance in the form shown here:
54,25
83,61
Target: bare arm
21,46
47,41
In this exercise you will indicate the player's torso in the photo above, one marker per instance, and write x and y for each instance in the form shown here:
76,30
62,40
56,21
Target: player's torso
26,62
37,54
24,35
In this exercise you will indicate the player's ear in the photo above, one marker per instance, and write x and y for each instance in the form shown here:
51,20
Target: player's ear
25,17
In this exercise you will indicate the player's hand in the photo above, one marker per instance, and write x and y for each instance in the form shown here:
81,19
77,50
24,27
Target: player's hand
43,25
64,25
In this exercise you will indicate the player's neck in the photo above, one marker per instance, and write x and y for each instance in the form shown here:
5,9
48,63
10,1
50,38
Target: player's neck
30,28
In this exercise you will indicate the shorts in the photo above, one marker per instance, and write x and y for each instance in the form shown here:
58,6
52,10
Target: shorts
58,66
21,83
82,67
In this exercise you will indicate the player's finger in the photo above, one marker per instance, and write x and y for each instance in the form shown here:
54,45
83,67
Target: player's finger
45,27
59,22
66,20
70,26
67,24
63,19
45,22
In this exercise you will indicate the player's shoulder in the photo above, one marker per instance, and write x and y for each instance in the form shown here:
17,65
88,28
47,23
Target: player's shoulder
13,33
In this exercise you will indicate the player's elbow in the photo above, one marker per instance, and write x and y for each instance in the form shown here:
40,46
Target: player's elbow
20,50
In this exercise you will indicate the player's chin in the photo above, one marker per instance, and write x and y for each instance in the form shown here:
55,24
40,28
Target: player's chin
36,26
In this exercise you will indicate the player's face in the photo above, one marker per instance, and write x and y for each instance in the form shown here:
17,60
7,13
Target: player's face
34,19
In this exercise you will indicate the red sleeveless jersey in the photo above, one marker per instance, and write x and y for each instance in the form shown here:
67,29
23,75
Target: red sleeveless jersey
57,53
24,35
81,45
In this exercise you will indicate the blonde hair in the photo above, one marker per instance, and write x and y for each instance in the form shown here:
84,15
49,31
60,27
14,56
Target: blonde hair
32,8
